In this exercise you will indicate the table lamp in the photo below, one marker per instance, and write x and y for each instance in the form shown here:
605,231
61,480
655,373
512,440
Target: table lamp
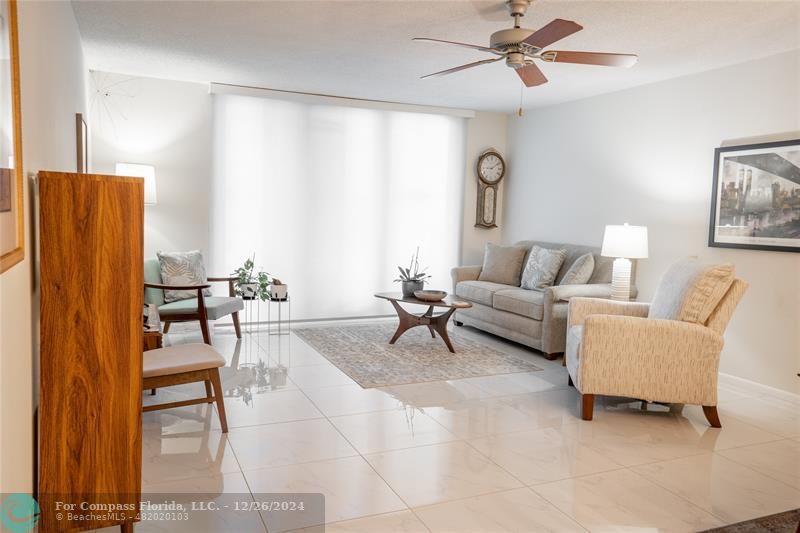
148,172
623,243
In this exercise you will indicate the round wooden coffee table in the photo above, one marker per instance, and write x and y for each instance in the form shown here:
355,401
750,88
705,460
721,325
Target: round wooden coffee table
435,323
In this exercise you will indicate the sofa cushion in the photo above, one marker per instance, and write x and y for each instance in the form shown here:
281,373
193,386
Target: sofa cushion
690,291
580,271
502,264
520,302
542,267
481,292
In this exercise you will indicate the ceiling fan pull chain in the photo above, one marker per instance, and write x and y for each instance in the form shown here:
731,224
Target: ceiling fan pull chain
521,88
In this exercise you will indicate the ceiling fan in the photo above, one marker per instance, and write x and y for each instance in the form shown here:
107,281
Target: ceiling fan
520,47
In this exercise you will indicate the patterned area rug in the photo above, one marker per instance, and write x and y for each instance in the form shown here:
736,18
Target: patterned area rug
363,352
788,522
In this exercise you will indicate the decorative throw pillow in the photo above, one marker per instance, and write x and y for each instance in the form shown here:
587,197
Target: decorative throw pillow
690,291
182,268
502,264
542,267
580,271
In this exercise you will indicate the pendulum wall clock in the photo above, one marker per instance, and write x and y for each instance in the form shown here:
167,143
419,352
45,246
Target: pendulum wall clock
491,169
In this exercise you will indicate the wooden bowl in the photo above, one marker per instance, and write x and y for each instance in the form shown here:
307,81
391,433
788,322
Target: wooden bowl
430,296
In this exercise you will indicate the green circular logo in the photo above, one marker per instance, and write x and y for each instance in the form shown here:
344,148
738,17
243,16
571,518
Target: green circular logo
20,512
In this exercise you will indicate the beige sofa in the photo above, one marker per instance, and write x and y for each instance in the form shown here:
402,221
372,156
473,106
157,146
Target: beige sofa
534,318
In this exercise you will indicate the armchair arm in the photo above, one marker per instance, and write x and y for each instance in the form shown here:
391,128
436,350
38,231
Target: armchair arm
465,273
230,280
177,287
662,360
581,308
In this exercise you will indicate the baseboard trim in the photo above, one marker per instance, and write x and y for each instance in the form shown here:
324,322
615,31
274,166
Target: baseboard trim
757,388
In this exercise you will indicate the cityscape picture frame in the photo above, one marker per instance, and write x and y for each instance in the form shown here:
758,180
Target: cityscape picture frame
755,199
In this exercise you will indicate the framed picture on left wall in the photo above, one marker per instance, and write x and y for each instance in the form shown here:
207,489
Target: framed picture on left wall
82,143
12,219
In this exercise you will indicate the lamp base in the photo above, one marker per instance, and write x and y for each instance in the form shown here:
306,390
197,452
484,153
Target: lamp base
621,280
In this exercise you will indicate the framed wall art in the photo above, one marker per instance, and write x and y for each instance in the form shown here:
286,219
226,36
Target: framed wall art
755,201
12,229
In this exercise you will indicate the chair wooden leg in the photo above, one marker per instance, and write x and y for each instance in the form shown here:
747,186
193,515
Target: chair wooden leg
167,324
569,381
223,420
587,409
236,325
204,329
152,392
712,416
209,393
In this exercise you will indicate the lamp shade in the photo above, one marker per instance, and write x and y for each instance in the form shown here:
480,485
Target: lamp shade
625,241
148,172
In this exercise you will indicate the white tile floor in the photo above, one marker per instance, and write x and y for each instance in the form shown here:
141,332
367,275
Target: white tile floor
498,453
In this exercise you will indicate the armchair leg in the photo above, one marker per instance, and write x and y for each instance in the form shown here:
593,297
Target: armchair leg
236,325
167,324
204,329
587,409
712,416
569,381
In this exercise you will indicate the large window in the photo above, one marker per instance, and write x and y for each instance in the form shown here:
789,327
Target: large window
331,199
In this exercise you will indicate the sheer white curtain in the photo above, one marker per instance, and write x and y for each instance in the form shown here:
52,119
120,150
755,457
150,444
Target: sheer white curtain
331,199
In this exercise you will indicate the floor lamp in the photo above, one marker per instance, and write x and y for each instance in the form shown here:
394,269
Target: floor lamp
623,243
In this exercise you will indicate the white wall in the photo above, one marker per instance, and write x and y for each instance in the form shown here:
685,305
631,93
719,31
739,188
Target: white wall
486,130
52,81
645,156
166,124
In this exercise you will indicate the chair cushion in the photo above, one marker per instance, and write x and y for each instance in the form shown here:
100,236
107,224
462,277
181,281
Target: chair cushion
520,302
502,264
481,292
690,291
180,358
542,267
216,307
580,271
182,268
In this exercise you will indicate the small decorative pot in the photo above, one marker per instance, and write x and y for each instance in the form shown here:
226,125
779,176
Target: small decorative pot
249,290
278,292
409,287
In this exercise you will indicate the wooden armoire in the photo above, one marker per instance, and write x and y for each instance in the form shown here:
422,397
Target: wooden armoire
90,402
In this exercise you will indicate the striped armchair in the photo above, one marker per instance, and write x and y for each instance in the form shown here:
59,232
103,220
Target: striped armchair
667,351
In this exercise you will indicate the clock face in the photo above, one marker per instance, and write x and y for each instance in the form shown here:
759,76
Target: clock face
491,168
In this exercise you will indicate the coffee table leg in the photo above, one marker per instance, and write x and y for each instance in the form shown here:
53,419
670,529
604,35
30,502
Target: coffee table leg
430,328
439,323
404,321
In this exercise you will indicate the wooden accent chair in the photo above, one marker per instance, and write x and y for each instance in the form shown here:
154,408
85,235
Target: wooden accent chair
202,308
620,349
185,363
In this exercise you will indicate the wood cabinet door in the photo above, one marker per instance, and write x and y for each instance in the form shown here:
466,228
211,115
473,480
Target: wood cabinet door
91,278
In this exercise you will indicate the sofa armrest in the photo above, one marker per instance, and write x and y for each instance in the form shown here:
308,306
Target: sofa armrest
651,359
581,308
465,273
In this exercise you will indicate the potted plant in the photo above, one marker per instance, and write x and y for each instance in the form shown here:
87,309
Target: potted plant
250,284
412,278
278,290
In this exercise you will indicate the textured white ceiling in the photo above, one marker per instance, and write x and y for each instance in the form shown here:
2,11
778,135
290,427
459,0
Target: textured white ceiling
363,48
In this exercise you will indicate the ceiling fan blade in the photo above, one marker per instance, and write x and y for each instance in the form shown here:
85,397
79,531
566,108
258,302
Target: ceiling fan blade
462,67
465,45
555,31
531,76
590,58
